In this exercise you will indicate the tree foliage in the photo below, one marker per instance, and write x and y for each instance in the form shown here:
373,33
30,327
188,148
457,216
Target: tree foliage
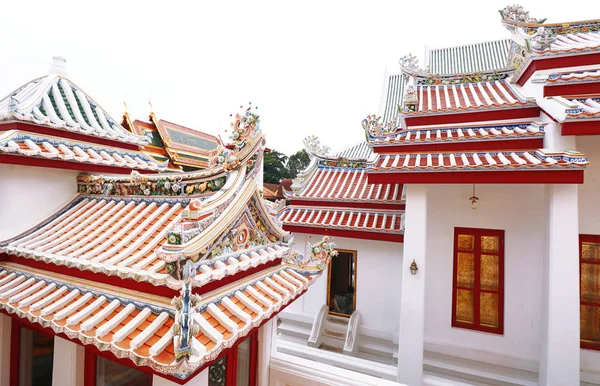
277,166
297,163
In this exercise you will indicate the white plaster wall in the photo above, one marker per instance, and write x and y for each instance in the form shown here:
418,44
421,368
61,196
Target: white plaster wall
520,211
589,217
378,278
30,194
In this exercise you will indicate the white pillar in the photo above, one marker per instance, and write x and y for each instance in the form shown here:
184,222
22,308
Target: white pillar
559,357
412,296
267,342
5,335
199,380
68,363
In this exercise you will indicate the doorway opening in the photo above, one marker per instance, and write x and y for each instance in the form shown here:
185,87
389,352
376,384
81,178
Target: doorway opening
341,283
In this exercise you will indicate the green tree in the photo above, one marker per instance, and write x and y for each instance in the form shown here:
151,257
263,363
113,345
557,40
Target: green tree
275,167
297,163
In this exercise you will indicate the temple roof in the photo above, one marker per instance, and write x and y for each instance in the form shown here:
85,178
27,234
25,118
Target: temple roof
22,143
469,58
573,77
347,185
141,327
466,97
149,237
448,62
452,133
54,101
181,145
343,218
361,150
515,160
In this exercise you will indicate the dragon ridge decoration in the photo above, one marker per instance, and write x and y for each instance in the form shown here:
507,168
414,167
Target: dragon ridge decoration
517,14
373,125
313,146
245,127
186,305
321,254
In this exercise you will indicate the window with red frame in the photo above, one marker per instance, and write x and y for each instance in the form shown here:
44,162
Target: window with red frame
478,280
589,291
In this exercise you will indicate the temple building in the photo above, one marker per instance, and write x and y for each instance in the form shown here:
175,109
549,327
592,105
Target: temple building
467,234
136,253
458,244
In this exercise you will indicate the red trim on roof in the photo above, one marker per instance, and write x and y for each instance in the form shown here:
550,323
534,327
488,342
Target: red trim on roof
581,59
572,89
482,177
396,238
464,145
584,127
66,134
344,204
475,116
24,160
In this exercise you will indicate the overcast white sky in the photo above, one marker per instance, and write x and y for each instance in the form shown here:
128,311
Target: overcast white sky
311,67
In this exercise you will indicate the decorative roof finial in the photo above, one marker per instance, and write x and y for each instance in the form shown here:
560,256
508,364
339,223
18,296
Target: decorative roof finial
313,146
410,63
517,14
150,103
59,66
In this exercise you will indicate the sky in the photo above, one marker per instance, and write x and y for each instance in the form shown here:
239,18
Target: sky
311,67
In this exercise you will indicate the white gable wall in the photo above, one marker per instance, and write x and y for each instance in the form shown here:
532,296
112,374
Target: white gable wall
30,194
520,211
377,282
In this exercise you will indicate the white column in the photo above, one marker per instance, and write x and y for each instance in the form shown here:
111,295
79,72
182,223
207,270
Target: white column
5,334
559,357
412,296
267,342
68,363
199,380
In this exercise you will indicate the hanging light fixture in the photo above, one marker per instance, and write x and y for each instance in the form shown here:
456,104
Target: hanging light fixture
474,199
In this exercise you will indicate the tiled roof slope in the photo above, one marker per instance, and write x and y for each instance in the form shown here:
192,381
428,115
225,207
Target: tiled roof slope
141,327
466,97
478,57
469,133
364,220
56,102
517,160
361,150
22,143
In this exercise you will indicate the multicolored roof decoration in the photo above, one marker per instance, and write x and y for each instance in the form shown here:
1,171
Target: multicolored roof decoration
167,270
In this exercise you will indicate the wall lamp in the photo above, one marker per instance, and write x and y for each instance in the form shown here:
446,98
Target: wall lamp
413,268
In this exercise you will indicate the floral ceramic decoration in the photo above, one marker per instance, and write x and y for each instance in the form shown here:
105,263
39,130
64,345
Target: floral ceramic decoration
373,125
313,146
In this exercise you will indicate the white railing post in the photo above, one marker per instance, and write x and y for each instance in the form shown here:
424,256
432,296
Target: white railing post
351,344
314,340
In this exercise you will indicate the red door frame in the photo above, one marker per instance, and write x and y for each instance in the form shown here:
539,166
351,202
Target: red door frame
476,290
589,239
15,348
